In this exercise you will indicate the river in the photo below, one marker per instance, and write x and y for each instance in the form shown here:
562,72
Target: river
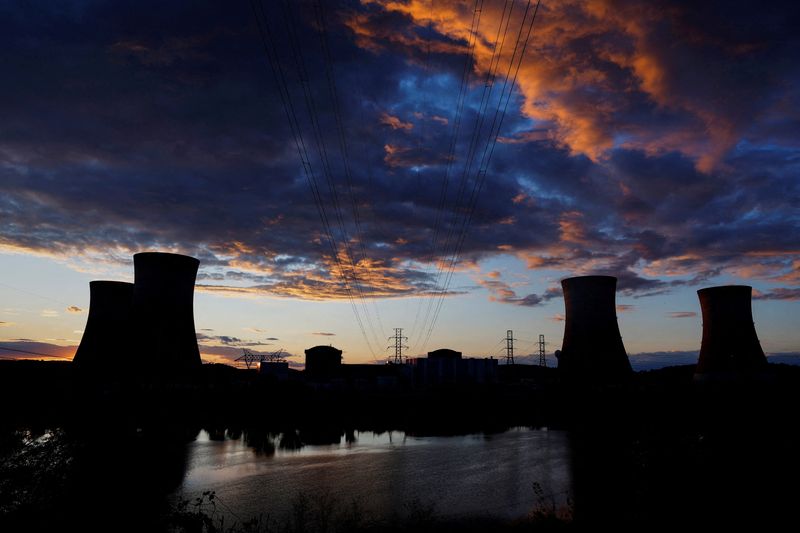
490,474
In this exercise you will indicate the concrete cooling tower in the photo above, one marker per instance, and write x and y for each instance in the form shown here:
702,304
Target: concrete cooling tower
163,297
107,335
592,347
730,345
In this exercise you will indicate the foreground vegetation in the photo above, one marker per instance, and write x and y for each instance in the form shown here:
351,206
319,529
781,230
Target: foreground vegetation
324,513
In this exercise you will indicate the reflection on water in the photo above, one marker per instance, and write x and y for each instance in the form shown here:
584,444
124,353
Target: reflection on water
475,474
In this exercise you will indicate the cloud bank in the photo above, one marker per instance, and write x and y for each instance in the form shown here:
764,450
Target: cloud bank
654,141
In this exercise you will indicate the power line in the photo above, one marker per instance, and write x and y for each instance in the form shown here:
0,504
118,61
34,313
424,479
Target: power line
31,293
468,165
488,84
331,77
270,49
319,140
462,91
445,264
34,353
494,133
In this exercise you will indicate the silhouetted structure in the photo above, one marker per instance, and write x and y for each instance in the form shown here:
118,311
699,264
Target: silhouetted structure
276,370
323,361
107,335
398,345
446,366
163,297
592,347
444,353
542,358
509,347
730,345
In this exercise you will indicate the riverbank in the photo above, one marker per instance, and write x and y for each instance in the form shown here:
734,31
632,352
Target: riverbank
659,451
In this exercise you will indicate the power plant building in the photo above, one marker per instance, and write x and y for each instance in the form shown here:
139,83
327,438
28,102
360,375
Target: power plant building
445,366
592,348
107,335
323,362
274,370
163,308
730,345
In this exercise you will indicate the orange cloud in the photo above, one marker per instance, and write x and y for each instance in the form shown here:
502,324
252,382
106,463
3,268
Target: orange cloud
572,228
395,123
564,82
436,118
330,280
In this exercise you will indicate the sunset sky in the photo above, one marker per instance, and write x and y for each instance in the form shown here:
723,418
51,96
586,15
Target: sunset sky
655,141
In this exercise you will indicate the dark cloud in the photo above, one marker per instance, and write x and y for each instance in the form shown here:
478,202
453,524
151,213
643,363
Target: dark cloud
500,291
226,340
324,334
74,309
655,360
652,141
781,293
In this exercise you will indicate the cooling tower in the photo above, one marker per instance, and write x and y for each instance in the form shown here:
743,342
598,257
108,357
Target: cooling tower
592,346
107,335
163,296
730,344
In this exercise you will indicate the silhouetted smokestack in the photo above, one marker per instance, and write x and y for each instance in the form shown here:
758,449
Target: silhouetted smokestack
163,296
107,335
730,344
592,346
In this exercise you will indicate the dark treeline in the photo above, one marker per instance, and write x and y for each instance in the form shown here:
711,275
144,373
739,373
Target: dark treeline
656,451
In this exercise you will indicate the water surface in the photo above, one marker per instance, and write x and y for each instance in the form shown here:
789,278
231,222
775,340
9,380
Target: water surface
462,475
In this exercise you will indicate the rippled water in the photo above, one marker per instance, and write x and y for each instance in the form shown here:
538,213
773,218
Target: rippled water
463,475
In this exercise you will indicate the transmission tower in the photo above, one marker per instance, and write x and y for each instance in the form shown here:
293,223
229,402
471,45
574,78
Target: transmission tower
398,345
542,360
509,347
249,357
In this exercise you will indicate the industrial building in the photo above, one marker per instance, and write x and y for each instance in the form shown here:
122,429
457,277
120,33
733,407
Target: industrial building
592,348
274,370
147,325
730,347
163,296
324,369
323,362
445,366
106,337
